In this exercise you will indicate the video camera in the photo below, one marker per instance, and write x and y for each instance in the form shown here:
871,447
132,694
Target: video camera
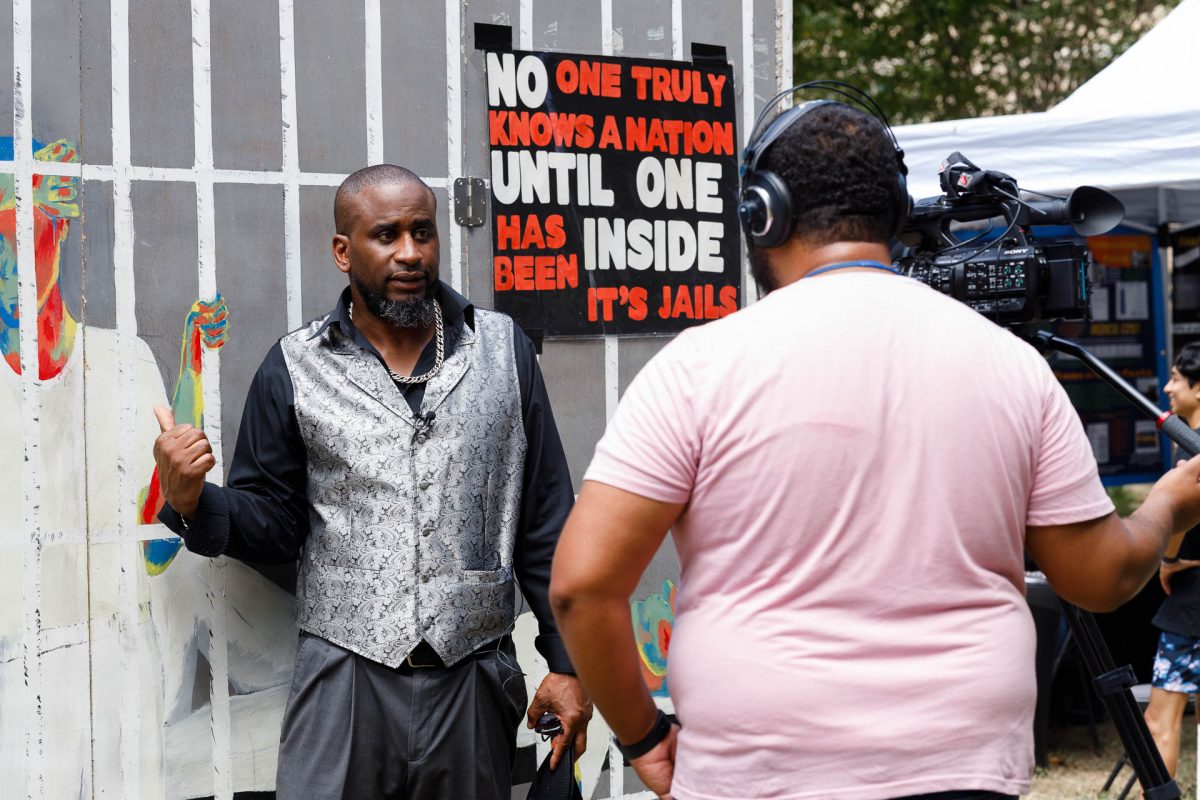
1009,278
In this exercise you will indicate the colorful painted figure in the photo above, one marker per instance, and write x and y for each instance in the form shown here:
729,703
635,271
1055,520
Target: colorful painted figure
54,204
89,378
653,619
206,326
86,376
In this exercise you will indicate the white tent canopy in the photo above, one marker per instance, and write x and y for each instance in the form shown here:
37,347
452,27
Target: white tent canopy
1133,129
1158,74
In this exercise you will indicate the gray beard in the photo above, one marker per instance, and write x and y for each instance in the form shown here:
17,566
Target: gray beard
416,313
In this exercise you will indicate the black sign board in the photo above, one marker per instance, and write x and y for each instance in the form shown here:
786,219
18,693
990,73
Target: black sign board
1185,288
1126,331
614,185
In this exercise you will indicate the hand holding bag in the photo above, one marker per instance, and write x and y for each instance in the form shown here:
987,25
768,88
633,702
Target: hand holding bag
556,784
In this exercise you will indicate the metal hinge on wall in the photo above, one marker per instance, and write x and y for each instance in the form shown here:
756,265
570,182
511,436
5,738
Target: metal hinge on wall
470,201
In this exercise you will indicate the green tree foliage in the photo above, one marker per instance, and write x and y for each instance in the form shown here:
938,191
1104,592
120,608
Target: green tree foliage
927,60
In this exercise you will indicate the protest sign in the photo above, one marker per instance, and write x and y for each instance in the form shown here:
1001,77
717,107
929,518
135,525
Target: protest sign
614,193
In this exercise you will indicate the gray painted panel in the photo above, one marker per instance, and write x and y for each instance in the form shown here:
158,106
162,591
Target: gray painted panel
95,78
95,235
164,266
246,106
568,25
250,274
55,80
636,352
574,372
642,28
6,69
766,53
414,87
331,105
320,279
444,219
495,12
160,83
663,567
720,29
478,274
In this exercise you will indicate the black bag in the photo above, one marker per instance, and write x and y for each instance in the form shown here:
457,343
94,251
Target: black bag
557,784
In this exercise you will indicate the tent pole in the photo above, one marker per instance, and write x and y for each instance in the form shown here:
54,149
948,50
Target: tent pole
1167,258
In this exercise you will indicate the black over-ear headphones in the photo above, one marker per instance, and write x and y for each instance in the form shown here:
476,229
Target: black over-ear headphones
765,208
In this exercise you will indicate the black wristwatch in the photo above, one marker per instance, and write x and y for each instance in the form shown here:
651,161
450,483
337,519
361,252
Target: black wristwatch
658,732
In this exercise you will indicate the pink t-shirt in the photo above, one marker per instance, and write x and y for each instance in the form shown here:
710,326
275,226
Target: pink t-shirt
860,456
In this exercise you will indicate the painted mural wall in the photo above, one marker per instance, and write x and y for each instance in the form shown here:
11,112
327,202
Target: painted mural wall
167,170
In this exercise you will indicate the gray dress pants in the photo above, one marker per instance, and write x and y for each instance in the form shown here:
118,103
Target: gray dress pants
357,730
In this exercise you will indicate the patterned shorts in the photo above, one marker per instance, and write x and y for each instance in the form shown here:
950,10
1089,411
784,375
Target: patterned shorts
1177,664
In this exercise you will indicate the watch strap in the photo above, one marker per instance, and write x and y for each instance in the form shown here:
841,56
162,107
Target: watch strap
658,732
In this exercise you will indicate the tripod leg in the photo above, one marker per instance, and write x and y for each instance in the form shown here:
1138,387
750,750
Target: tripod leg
1089,701
1113,687
1128,785
1116,770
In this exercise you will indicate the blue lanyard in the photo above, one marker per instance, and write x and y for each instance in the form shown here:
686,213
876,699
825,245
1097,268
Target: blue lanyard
848,264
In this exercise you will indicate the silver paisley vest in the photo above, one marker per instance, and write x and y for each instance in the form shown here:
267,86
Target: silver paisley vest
412,525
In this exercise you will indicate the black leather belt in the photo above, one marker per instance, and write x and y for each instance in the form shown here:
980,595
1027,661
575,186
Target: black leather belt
423,656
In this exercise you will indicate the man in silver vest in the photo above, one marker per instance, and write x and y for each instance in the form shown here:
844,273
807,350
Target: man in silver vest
403,448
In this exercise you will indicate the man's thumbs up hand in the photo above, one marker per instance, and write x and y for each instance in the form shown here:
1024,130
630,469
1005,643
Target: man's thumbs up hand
165,417
184,456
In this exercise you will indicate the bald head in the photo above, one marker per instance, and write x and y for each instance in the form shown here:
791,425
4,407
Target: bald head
376,175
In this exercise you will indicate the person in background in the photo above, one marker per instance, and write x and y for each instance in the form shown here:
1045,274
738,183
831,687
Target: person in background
1177,663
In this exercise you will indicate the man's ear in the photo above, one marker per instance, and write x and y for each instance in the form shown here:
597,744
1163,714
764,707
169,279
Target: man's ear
341,254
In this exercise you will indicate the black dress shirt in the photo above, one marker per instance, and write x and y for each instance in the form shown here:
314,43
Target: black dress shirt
261,515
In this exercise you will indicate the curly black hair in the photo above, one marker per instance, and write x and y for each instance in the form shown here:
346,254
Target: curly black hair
1188,362
840,166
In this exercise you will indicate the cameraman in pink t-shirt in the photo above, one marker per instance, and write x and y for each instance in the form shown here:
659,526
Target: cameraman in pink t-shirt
852,468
